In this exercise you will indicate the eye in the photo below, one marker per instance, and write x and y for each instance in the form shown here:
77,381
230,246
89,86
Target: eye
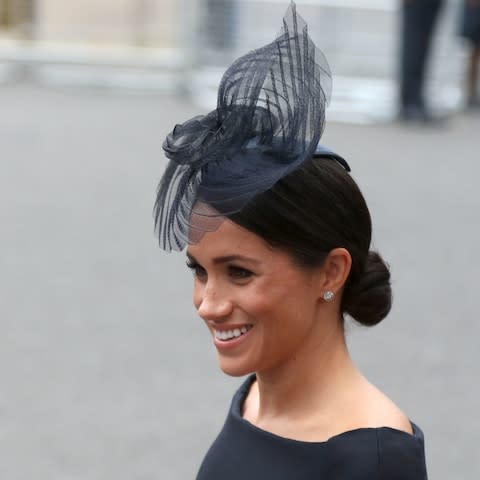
239,273
198,271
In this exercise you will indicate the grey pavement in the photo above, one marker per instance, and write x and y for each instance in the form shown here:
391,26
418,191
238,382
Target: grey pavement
106,371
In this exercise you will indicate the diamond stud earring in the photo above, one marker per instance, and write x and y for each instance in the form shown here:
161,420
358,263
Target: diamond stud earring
328,296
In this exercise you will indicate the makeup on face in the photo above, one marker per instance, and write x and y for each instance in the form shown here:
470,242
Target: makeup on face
258,305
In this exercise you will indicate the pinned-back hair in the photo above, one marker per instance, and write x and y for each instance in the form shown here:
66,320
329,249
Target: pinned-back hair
313,210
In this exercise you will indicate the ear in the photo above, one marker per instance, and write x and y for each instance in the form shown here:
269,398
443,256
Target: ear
335,270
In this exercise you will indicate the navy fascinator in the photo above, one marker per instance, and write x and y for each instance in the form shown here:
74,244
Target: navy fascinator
269,118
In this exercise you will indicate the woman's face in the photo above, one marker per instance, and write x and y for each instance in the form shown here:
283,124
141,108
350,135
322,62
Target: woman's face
261,309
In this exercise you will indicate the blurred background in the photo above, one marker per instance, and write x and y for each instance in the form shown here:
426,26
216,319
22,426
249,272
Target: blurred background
182,46
106,371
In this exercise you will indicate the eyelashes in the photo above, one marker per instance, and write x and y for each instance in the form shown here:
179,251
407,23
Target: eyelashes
234,272
196,268
191,264
239,273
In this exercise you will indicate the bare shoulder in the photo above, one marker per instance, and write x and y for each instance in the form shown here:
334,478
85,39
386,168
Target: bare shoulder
381,411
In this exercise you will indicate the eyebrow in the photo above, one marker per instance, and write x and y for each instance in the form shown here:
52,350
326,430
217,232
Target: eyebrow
228,258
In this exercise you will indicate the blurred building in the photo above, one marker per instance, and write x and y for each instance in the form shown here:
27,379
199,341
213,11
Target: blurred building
100,22
15,15
171,45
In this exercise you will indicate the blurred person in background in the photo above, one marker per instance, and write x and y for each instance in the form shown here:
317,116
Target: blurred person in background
470,30
418,20
278,239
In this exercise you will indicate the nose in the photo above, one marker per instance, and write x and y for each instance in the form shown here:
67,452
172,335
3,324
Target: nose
211,303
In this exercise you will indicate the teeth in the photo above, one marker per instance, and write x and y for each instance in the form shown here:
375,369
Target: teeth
229,334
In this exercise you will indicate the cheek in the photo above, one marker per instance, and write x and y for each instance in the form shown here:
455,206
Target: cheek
255,302
282,330
271,299
285,319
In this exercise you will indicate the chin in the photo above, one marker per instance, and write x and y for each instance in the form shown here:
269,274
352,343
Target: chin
234,368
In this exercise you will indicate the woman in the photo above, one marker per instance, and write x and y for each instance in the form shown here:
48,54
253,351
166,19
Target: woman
278,237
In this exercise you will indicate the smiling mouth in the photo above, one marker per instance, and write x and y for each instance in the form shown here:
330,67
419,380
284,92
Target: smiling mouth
226,335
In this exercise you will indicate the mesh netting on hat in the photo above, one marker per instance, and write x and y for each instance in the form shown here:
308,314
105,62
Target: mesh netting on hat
269,119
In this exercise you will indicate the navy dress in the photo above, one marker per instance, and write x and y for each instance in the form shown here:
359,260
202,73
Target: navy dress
245,452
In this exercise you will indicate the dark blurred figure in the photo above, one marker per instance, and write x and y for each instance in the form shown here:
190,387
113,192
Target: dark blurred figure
418,21
470,30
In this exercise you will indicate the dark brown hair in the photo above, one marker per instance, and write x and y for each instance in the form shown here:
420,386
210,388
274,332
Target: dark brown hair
313,210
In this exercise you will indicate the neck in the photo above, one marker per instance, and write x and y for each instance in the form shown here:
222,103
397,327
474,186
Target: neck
313,380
